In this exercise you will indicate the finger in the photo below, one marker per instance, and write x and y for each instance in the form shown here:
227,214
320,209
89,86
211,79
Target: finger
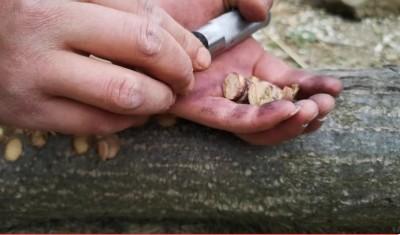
226,115
201,58
312,84
69,117
313,126
276,71
287,130
129,39
105,86
326,104
254,10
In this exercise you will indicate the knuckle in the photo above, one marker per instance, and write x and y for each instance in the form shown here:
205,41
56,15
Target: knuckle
146,7
186,41
149,39
122,93
42,67
149,10
38,14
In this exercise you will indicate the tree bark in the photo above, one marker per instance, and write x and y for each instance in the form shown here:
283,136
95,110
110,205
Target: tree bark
346,177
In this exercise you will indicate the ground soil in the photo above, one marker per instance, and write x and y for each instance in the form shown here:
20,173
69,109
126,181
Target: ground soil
323,40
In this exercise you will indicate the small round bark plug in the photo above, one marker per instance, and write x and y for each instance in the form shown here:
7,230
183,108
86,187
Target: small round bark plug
235,87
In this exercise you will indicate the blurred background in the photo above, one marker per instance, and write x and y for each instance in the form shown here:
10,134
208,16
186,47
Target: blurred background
335,33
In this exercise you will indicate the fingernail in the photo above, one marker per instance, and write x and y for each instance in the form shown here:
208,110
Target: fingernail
323,119
305,126
132,102
127,98
315,116
203,59
296,111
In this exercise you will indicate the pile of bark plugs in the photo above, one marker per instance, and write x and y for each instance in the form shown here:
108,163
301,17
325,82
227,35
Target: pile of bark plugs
254,91
107,146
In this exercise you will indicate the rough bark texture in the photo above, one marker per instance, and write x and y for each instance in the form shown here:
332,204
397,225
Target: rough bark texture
346,177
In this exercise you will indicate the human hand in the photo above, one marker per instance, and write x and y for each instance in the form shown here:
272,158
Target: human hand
270,124
203,11
48,82
267,125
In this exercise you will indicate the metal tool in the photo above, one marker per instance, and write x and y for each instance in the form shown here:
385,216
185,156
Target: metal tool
227,31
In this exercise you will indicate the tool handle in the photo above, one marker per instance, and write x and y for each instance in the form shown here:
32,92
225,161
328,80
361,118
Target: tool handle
227,30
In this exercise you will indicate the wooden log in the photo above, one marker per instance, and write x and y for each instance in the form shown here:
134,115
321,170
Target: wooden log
345,177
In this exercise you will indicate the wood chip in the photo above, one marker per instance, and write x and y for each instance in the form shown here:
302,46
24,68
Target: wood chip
263,92
81,144
39,139
13,150
255,91
235,87
290,93
108,147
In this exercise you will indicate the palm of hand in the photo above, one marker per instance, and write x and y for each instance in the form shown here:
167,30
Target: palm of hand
267,125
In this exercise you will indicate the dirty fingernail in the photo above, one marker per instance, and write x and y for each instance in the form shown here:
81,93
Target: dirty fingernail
132,101
203,59
323,119
315,116
137,101
296,111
